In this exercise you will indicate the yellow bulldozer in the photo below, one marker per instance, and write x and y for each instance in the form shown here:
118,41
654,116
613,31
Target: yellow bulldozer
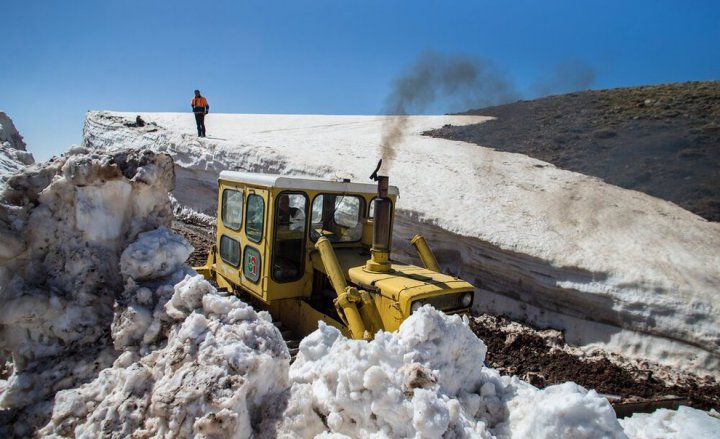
312,250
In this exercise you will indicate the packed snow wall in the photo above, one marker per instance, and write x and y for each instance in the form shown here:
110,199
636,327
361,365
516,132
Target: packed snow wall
635,274
64,225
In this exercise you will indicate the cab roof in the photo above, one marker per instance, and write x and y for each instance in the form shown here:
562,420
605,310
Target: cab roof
302,183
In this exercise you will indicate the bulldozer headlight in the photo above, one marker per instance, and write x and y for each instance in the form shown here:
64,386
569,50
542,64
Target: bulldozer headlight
416,306
466,299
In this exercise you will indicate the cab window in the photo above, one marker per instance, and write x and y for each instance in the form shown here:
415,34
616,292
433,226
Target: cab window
338,217
289,246
230,250
232,203
255,221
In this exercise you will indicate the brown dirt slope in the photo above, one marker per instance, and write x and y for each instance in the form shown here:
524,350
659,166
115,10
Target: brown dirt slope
542,358
663,140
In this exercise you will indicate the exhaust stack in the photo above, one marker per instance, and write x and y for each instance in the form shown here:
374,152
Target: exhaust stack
380,252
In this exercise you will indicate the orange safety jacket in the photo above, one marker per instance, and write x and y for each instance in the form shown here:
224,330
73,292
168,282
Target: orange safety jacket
200,105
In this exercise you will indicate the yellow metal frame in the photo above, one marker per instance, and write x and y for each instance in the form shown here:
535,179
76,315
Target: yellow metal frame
367,299
267,289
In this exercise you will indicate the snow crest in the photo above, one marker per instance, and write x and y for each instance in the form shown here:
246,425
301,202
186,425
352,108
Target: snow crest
13,151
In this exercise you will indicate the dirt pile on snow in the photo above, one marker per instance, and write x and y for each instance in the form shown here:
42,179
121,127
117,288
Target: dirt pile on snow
13,151
542,358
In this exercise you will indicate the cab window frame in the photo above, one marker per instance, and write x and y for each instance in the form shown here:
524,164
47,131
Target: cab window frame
303,244
363,214
224,207
225,238
250,236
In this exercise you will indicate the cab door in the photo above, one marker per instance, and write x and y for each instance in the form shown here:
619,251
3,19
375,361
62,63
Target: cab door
288,253
231,201
254,267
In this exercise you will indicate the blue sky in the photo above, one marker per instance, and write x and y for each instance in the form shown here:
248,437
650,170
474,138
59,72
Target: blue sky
61,59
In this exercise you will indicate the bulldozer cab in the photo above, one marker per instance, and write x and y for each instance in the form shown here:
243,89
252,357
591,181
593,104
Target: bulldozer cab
310,250
268,226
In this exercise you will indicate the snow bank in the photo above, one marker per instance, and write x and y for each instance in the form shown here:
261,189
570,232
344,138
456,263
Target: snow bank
685,422
613,268
426,380
13,151
65,224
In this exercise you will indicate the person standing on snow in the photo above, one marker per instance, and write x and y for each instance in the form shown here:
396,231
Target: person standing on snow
200,108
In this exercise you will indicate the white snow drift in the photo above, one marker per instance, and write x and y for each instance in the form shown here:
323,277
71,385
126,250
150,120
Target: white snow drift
427,380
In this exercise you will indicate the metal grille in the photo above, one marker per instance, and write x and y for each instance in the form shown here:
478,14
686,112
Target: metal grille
445,302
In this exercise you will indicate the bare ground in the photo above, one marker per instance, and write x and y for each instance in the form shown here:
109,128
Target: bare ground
542,358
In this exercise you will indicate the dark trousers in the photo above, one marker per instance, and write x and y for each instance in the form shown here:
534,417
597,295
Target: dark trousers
200,121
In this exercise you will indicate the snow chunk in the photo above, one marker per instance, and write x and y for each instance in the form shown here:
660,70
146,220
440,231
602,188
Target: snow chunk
67,222
563,410
13,154
155,254
685,422
212,377
426,339
100,212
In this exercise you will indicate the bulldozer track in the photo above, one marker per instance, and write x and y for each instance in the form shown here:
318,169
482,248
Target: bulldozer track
291,341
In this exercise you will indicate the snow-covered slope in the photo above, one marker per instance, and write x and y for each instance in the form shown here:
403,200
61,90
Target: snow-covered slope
13,151
637,274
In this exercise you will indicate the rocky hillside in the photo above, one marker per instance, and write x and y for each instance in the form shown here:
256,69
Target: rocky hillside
663,140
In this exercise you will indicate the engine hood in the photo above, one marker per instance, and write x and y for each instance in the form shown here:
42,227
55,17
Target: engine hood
405,283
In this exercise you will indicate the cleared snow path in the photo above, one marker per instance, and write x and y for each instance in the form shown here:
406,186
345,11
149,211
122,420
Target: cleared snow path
637,274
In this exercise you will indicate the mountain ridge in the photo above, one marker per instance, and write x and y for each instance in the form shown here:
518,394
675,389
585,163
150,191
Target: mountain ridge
663,140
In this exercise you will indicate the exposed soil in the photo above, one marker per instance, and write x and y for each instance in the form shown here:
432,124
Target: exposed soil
201,237
663,140
542,358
